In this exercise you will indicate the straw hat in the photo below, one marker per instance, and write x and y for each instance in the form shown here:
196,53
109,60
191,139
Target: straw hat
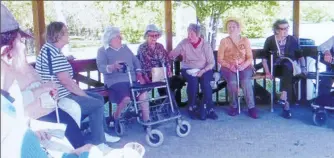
235,19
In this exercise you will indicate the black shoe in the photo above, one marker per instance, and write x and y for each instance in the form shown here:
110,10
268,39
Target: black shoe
286,114
212,114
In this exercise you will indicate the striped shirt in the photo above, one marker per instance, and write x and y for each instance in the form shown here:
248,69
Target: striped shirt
59,64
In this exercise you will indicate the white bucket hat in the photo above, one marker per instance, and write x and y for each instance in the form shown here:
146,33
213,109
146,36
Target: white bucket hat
152,28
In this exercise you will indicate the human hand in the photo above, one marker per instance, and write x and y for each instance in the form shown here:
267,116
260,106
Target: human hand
233,68
42,135
328,57
200,73
140,78
269,76
169,73
241,67
116,66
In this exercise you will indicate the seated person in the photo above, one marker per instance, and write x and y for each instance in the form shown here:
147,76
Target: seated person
325,84
30,83
152,54
91,103
197,54
285,46
108,60
19,141
235,54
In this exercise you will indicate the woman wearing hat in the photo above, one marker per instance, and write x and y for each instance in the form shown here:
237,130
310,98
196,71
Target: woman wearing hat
17,139
235,54
152,54
197,64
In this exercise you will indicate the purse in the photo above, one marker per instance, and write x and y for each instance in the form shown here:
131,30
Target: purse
158,74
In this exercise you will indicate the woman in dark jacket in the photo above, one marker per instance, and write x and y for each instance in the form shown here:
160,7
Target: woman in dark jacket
285,48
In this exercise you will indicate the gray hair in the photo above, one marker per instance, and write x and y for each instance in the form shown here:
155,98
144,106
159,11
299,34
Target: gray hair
54,31
196,28
110,32
277,23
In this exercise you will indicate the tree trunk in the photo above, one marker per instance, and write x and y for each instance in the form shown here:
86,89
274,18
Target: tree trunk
213,31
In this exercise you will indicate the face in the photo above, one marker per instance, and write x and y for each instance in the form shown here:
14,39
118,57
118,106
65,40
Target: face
192,36
233,28
283,30
152,37
116,41
64,38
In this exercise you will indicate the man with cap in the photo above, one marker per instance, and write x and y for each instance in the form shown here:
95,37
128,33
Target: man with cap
108,60
197,64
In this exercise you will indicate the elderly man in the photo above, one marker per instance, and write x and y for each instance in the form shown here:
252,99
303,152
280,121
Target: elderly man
108,60
198,61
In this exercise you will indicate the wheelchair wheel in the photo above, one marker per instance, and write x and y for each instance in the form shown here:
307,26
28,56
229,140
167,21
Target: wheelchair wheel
119,129
320,117
157,138
183,129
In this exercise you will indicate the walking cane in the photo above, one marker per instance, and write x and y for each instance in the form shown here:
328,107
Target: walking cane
238,100
57,114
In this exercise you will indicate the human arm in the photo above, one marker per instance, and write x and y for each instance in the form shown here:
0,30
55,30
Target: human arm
249,56
325,49
210,60
266,49
102,63
177,51
66,80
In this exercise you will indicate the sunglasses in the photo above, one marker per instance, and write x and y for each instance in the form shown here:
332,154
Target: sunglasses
154,36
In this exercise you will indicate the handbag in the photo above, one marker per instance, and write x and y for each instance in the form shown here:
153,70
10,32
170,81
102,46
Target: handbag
158,74
295,66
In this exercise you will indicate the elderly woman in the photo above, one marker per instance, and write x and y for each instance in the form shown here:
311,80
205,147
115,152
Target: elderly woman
19,140
91,104
285,47
152,54
235,54
197,64
108,60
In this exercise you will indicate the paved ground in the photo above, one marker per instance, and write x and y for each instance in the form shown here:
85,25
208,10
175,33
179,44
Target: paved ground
270,136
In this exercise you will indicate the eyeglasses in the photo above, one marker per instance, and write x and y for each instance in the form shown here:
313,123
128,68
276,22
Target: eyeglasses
283,29
154,36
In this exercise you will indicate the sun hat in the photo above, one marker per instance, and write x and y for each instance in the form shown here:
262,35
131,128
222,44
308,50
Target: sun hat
152,28
235,19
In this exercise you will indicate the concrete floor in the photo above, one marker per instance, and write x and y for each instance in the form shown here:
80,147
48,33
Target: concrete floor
270,136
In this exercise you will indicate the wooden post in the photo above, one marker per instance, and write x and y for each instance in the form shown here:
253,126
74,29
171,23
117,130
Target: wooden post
296,18
168,25
39,23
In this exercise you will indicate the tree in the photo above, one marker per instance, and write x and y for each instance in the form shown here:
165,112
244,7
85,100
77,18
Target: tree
215,10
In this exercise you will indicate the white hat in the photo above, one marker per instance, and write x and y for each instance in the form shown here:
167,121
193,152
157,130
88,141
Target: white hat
153,28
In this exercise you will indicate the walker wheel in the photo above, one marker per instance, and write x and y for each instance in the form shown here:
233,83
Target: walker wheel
320,117
183,129
156,138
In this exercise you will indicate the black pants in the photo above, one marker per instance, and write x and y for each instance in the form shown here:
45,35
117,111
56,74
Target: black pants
284,71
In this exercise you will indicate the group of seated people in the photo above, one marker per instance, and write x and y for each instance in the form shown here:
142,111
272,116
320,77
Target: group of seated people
52,76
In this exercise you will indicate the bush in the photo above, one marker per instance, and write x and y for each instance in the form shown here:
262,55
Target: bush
132,35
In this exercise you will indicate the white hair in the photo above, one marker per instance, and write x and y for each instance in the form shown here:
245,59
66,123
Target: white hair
110,32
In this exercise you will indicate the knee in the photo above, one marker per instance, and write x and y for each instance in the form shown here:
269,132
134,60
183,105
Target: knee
143,96
125,100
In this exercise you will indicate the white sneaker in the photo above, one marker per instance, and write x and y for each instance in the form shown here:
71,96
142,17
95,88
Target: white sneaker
110,138
105,149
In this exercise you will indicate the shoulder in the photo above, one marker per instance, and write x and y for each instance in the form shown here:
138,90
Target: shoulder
49,48
126,49
272,37
184,42
101,50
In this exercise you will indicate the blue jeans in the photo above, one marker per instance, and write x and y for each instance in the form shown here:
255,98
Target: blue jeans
93,106
245,78
72,132
192,88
